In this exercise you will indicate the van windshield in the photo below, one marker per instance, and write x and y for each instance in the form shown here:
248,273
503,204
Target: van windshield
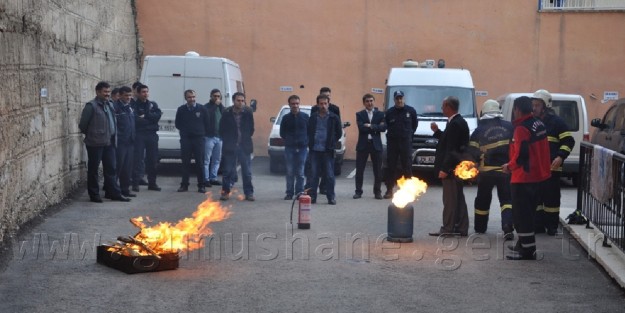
427,100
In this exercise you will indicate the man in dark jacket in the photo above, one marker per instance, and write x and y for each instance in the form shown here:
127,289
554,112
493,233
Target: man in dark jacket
452,144
236,129
147,115
212,142
98,123
192,123
294,131
326,91
370,124
561,144
125,140
324,130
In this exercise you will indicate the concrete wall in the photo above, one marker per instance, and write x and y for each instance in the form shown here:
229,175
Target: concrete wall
65,47
350,45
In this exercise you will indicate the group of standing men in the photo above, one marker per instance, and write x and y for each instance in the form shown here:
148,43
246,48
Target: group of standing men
122,136
311,139
210,131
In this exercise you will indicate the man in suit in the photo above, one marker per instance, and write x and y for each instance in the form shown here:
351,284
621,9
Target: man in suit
324,130
452,144
370,124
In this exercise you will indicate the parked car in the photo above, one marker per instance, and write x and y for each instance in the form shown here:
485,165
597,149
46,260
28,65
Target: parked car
610,132
276,143
572,109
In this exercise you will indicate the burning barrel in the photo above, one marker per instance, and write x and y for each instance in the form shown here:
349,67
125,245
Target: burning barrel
400,223
400,212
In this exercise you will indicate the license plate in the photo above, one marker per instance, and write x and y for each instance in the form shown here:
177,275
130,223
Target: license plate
425,159
167,128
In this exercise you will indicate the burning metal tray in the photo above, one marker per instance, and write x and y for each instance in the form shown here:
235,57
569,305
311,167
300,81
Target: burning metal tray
137,264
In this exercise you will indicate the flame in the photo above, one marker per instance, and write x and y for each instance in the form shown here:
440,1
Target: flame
185,235
466,170
409,190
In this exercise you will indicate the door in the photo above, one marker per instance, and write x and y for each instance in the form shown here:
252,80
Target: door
602,137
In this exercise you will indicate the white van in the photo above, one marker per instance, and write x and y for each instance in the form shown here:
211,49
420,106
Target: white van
424,89
572,109
168,76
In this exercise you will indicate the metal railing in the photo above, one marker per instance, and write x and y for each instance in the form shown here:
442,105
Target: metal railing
591,5
607,216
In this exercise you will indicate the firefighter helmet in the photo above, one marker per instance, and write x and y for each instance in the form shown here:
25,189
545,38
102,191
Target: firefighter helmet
544,95
490,106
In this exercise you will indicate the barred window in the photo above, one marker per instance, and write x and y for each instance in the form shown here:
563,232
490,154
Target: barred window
581,5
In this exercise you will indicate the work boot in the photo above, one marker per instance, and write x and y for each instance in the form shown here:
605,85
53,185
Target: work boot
508,232
388,194
552,231
154,187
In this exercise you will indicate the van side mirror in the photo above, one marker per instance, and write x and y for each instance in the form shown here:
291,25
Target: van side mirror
272,119
596,122
253,104
347,124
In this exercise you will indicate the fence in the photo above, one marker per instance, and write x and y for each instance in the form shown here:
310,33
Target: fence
593,5
607,216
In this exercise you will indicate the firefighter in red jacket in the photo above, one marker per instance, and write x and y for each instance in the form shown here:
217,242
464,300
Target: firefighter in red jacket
530,167
561,143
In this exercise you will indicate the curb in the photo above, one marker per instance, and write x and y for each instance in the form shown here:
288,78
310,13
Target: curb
612,259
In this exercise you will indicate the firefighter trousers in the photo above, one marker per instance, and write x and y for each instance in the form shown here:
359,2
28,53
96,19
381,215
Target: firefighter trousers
486,183
523,211
548,207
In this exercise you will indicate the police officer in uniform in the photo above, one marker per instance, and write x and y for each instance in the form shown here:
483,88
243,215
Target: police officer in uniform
401,123
561,144
489,146
192,122
147,115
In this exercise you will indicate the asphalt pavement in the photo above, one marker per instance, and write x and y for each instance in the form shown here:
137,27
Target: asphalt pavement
255,263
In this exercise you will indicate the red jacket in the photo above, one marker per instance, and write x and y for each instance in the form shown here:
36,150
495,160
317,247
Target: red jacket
529,151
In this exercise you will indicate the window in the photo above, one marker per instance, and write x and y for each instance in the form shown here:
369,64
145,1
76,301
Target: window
609,117
567,110
577,5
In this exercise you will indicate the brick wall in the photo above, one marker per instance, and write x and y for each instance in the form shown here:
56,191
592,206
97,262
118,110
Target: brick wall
64,47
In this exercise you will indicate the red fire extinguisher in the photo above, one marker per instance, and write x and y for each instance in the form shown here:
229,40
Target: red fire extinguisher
303,212
303,217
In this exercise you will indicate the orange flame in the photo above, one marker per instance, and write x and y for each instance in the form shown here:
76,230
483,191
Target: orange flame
409,190
166,237
466,170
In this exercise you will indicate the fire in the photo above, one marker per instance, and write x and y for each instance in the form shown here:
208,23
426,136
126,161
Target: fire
409,190
466,170
166,237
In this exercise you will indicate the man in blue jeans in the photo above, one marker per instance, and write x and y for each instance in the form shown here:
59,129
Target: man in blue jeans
236,129
324,130
293,129
213,143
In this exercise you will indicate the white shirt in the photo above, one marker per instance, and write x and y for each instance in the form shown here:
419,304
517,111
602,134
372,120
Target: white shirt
370,114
